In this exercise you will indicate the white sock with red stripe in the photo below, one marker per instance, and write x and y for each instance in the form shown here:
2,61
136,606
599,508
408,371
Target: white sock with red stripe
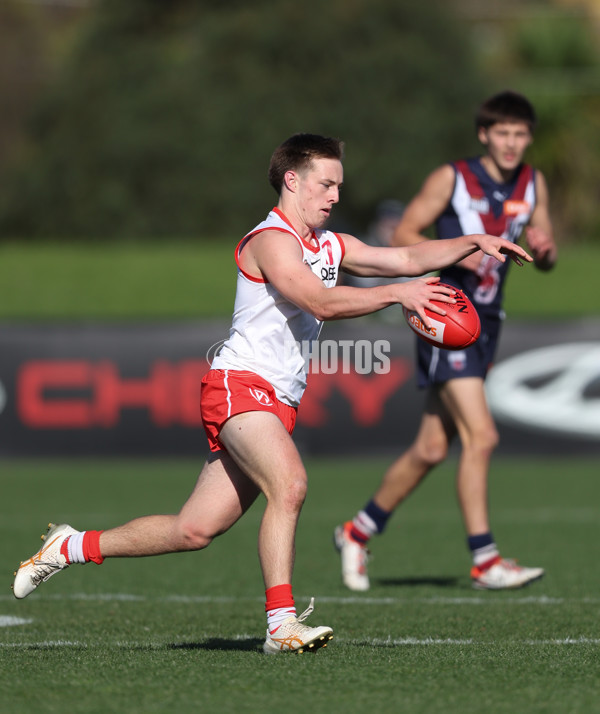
75,548
279,606
82,547
484,550
277,616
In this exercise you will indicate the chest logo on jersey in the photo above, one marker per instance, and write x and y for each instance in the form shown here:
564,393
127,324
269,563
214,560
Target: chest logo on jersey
261,397
514,208
480,205
328,272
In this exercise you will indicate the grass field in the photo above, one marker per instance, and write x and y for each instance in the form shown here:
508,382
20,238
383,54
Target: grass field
166,280
183,633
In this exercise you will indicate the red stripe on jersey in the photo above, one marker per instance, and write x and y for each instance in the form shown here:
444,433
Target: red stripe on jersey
492,225
525,177
472,182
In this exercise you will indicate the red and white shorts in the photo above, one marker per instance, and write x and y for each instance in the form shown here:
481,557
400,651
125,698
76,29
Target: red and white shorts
226,392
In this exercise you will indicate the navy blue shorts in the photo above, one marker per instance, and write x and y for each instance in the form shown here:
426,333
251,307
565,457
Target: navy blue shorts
436,366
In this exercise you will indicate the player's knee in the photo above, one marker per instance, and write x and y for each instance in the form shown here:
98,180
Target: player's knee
485,439
432,452
292,493
490,438
194,537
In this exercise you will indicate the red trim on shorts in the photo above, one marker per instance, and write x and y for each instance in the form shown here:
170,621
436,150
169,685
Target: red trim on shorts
227,392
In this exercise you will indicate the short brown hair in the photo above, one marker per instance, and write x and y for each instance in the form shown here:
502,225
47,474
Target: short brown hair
298,152
506,106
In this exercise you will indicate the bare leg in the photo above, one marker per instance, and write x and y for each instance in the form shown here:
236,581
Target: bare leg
221,495
263,449
458,405
466,402
429,448
261,456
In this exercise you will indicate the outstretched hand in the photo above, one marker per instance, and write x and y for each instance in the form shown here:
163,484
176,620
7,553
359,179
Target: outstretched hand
427,293
500,247
542,247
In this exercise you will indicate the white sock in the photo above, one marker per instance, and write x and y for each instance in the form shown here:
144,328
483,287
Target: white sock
485,554
276,616
75,547
365,525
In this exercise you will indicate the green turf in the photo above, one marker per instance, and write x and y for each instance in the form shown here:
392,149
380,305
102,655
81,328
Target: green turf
182,633
186,280
48,281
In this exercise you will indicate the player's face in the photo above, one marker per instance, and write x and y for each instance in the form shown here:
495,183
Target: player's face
506,143
318,190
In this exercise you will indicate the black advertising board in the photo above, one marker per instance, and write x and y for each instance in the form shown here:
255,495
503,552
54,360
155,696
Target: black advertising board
95,389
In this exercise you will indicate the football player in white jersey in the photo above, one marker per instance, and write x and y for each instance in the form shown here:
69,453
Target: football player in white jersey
287,273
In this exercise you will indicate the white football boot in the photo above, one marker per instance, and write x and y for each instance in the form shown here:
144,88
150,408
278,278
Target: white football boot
293,636
504,575
354,560
45,563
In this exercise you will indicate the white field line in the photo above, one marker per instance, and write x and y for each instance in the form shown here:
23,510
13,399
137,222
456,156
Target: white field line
543,600
488,599
375,642
9,621
402,641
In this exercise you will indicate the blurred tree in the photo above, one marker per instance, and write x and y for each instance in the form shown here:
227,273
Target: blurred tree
559,67
549,51
21,74
165,115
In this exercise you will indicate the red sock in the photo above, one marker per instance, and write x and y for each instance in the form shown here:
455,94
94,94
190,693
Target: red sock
91,547
279,596
81,547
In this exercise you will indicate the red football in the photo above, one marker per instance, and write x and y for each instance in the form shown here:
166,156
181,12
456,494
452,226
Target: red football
457,329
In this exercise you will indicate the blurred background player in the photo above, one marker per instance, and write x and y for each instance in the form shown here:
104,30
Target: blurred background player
496,193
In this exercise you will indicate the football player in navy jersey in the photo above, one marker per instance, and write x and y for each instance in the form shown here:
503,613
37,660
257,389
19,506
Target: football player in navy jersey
494,193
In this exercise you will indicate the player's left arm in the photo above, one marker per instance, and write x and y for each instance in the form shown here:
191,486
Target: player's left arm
539,234
418,259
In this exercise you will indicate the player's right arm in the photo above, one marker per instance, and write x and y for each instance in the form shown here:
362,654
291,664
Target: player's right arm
539,234
426,207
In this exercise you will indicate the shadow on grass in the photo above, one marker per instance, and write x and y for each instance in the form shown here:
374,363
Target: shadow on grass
250,644
436,581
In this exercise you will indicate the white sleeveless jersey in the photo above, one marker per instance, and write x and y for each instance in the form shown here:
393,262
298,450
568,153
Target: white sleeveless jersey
269,335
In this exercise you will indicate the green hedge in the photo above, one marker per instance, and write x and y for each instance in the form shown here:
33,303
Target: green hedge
183,280
163,117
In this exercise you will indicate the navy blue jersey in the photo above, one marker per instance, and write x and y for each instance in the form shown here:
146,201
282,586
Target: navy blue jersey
481,205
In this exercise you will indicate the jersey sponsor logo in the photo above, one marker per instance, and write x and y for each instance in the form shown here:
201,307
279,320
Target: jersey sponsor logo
329,273
514,208
480,205
261,397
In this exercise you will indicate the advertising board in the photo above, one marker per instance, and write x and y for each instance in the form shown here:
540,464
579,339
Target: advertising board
99,389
